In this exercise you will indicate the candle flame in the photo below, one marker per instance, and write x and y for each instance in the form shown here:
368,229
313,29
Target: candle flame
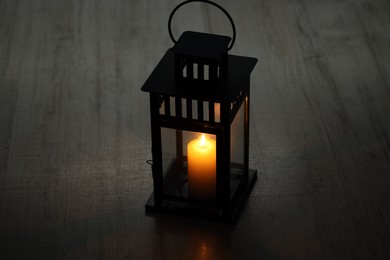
203,141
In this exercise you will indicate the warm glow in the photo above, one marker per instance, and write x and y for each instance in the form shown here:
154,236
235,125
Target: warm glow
217,112
202,167
204,254
203,251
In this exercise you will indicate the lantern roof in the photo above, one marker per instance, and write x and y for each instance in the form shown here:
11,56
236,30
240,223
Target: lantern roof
162,80
202,45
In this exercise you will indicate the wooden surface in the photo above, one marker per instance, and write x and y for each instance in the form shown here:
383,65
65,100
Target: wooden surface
75,131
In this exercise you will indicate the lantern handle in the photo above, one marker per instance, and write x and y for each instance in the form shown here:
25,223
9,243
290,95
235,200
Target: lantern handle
207,2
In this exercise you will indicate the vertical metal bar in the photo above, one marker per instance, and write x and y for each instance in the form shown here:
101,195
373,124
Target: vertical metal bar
223,157
179,136
178,67
179,150
246,129
211,112
201,71
200,110
189,108
157,166
178,110
167,105
223,65
190,69
213,71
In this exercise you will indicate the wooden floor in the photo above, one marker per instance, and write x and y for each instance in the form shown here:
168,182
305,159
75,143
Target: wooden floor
75,130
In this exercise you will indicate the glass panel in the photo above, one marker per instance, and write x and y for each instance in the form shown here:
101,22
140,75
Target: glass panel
194,109
217,112
185,71
184,107
237,149
162,108
206,111
206,72
168,140
172,106
195,70
237,138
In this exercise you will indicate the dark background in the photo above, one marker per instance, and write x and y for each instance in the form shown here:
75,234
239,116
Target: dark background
75,131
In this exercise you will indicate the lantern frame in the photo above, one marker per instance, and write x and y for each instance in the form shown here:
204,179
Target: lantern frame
168,89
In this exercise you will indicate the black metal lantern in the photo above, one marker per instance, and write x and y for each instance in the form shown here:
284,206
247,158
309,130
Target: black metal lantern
199,109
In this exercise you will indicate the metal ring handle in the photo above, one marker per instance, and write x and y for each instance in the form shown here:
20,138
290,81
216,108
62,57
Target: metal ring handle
207,2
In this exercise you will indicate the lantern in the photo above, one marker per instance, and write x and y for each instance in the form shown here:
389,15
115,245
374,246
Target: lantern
199,111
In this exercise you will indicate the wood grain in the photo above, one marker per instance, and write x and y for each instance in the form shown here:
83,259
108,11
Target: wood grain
75,131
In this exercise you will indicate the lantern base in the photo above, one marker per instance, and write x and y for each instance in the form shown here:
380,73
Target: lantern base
206,211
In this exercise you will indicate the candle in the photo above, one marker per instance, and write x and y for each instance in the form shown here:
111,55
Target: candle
202,168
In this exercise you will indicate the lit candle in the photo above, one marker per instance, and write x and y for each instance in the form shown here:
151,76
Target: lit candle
202,168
